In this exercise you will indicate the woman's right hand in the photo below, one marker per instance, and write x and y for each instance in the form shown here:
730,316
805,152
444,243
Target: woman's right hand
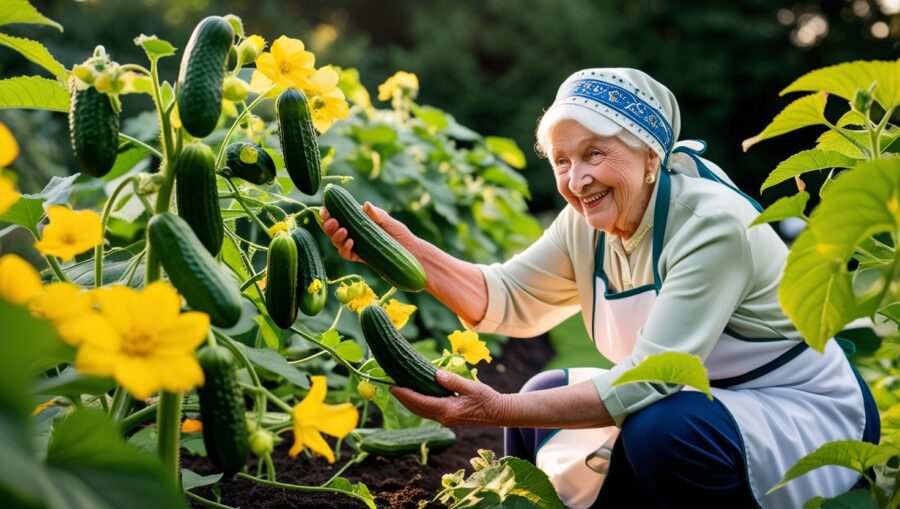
340,237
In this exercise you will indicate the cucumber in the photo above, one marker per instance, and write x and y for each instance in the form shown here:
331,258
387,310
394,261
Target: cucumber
299,144
249,162
393,442
94,130
396,356
201,75
204,284
222,411
197,195
383,254
281,280
309,269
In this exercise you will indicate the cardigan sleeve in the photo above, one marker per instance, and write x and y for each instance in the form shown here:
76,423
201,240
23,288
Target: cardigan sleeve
706,270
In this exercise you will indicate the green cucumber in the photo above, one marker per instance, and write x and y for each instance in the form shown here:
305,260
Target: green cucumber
222,410
249,162
393,442
383,254
94,130
299,144
396,356
204,284
197,195
281,280
309,269
201,75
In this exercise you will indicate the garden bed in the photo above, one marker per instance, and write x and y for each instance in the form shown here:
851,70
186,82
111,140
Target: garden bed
396,482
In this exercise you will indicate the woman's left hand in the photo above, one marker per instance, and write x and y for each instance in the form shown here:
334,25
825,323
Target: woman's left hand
475,402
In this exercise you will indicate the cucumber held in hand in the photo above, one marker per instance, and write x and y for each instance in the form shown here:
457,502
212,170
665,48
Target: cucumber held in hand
281,280
222,410
201,75
195,273
94,129
197,195
299,144
310,268
384,254
249,162
396,356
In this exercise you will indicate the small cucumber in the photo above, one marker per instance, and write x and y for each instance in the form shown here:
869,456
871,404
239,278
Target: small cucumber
204,284
201,75
94,129
383,254
197,195
222,410
249,162
299,144
309,269
281,280
393,442
396,356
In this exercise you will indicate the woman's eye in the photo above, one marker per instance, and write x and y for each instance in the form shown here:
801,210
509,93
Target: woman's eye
596,153
561,162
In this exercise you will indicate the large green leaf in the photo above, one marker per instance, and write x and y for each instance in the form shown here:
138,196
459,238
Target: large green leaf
506,149
20,11
843,80
854,499
155,47
272,361
25,212
783,208
36,52
806,161
806,111
33,92
669,367
852,454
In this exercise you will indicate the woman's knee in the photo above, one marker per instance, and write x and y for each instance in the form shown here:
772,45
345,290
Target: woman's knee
545,380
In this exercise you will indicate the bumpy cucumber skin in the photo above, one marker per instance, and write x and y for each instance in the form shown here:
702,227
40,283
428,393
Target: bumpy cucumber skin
222,411
94,129
383,254
202,282
260,172
396,356
299,144
197,195
309,268
393,442
201,75
281,280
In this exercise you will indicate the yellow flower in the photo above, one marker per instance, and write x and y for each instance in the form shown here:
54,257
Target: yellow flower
362,296
399,312
467,344
191,426
149,345
8,194
9,149
326,100
314,286
70,232
400,84
43,406
19,282
287,64
280,226
70,309
312,417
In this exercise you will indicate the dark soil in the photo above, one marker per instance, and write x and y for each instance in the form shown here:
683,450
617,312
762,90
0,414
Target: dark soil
399,482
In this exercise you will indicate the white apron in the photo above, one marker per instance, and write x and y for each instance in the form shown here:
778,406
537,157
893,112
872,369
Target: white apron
785,398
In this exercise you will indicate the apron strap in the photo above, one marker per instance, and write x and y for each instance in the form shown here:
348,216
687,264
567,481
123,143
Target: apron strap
704,171
849,347
753,374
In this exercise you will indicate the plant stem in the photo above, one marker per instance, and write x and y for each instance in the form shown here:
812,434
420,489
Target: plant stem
297,487
308,358
875,134
240,200
139,143
205,501
344,278
269,394
387,295
104,219
270,467
57,270
168,425
338,358
253,280
237,121
843,132
354,460
121,404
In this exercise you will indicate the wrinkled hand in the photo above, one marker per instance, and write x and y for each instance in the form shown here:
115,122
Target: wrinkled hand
475,402
344,244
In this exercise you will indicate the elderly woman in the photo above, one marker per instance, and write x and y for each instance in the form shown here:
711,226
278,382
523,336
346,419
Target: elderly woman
654,250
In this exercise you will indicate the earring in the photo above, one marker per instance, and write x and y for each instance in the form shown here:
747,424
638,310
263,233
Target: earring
651,178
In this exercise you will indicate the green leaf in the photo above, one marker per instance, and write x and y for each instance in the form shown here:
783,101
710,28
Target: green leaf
532,483
155,47
507,150
852,454
26,212
272,361
350,351
816,291
669,367
21,11
852,118
843,80
506,177
806,111
69,383
375,135
36,52
191,480
892,312
806,161
33,92
433,117
783,208
855,499
331,338
126,161
344,484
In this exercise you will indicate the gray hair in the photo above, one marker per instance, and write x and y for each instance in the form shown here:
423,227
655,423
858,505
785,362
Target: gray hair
592,121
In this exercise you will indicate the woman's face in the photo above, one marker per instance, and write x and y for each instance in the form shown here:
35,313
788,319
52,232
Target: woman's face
602,178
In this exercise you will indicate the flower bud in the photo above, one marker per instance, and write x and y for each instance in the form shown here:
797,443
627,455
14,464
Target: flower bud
236,24
862,101
235,89
250,48
367,390
262,443
84,73
343,294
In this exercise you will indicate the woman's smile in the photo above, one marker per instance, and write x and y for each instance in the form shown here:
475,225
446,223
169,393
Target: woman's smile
594,200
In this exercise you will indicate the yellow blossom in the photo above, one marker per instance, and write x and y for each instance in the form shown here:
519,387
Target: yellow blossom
191,426
70,232
326,100
19,282
8,195
467,344
71,309
43,406
280,226
399,312
312,417
400,84
314,286
286,65
9,149
149,345
362,296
